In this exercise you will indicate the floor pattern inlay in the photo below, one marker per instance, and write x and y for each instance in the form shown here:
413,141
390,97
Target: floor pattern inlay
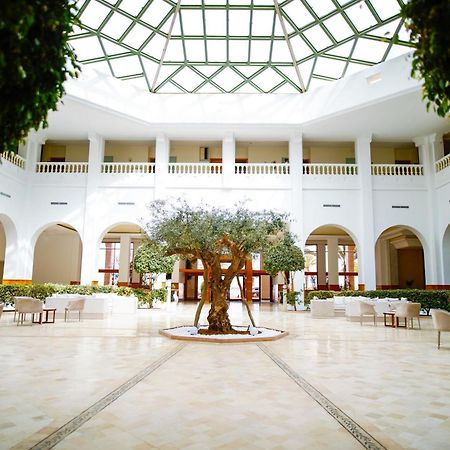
359,433
69,427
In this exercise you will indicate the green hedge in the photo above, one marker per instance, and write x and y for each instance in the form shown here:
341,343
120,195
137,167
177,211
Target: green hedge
41,291
427,298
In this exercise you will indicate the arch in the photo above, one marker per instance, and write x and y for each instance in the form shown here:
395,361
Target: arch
400,258
57,254
334,246
335,225
114,259
8,241
44,227
446,255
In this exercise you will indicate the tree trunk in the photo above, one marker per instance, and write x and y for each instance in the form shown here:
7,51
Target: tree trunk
218,319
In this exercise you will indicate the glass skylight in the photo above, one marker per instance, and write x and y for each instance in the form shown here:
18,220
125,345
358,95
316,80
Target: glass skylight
236,45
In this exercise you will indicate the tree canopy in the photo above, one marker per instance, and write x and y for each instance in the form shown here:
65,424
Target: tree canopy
284,257
428,21
35,60
150,258
214,235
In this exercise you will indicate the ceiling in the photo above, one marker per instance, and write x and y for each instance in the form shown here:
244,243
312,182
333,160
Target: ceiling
236,46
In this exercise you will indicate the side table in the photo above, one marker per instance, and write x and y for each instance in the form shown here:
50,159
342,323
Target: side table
46,319
394,322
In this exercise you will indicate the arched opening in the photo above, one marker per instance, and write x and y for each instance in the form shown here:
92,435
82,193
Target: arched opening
117,248
446,253
8,245
399,259
2,250
57,255
331,259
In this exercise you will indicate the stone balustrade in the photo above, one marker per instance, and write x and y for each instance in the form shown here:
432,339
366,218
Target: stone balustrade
397,169
128,167
14,158
195,168
443,163
62,167
262,169
330,169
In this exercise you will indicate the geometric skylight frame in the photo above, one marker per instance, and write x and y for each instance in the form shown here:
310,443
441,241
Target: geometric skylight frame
237,46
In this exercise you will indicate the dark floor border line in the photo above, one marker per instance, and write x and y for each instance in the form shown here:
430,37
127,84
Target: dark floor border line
61,433
359,433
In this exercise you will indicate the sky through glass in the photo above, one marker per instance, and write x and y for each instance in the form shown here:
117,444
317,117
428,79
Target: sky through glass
238,46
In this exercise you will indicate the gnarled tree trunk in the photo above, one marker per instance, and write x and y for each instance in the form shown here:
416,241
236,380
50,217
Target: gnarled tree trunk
218,314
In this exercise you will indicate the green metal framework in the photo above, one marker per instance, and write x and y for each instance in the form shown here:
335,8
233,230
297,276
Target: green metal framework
237,46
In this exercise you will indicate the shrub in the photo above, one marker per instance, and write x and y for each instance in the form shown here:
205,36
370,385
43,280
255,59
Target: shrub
427,298
159,294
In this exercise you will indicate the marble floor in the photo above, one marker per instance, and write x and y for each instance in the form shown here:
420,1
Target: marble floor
117,384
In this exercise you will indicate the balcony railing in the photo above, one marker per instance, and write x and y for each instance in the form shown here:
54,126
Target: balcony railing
443,163
128,167
330,169
62,167
14,158
397,169
261,169
195,168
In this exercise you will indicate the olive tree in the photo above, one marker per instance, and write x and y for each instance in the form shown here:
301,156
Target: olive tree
286,258
212,235
35,60
428,21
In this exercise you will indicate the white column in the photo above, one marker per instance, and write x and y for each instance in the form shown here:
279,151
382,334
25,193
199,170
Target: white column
366,247
433,256
321,265
19,254
124,259
228,160
383,263
33,147
162,153
296,226
333,267
89,260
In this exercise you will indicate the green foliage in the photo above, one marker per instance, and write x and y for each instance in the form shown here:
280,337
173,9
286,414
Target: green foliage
283,257
159,294
292,297
143,296
428,21
199,232
150,258
35,60
427,298
42,291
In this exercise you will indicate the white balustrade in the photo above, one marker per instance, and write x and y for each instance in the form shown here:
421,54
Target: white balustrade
128,167
62,167
195,168
262,169
14,158
443,163
397,169
330,169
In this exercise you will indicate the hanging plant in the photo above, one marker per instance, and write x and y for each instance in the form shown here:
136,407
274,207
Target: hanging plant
428,21
35,61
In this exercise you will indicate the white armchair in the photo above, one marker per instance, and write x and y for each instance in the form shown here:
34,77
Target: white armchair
366,309
27,305
441,322
408,311
74,305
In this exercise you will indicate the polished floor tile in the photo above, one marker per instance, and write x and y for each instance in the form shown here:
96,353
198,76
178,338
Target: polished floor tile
392,383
